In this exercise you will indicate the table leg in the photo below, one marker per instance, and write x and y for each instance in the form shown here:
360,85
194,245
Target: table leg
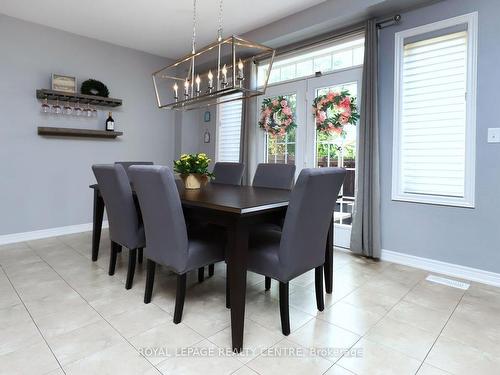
97,224
329,260
237,263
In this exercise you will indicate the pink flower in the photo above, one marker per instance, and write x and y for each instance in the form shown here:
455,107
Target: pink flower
275,102
343,119
321,116
284,103
287,111
345,103
330,96
288,121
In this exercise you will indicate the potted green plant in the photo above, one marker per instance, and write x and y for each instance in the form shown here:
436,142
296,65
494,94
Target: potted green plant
193,169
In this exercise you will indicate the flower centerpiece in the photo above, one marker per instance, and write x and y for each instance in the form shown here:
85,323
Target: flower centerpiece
193,169
276,117
333,110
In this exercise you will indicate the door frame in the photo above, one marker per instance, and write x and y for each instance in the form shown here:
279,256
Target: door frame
305,144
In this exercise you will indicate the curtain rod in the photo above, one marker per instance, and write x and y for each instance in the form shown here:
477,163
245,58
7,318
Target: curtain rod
336,34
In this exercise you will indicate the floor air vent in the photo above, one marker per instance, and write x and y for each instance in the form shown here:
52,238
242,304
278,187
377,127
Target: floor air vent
447,282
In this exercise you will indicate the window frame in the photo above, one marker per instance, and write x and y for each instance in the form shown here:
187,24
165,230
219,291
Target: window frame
468,200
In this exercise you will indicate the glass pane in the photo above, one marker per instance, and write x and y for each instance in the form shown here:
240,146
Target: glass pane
334,150
305,68
325,58
342,60
287,72
323,63
281,149
358,56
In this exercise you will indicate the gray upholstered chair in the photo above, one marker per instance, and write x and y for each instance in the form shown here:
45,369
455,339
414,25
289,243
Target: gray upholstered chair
274,176
300,246
228,173
168,241
125,228
128,164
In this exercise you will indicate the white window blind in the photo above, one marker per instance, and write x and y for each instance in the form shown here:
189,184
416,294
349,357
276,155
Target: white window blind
434,159
229,131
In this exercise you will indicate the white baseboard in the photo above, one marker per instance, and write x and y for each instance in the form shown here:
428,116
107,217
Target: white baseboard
450,269
44,233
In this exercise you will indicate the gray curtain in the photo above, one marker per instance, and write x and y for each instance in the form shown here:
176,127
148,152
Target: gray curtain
249,106
365,234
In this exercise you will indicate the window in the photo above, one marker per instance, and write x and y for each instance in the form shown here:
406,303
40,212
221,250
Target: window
281,149
434,117
324,59
229,130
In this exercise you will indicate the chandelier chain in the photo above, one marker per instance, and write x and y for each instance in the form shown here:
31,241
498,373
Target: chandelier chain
194,27
219,30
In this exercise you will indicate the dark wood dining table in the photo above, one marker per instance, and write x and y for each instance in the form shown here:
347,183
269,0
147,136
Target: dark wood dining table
236,208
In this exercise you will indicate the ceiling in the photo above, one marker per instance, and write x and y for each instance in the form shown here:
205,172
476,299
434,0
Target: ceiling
160,27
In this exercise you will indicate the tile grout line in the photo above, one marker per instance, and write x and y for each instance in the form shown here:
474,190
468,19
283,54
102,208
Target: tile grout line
440,333
33,320
383,316
92,307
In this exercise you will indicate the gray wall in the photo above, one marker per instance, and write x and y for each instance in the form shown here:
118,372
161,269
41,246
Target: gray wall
458,235
44,181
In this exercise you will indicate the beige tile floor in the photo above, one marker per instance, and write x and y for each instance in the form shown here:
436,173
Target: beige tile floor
62,314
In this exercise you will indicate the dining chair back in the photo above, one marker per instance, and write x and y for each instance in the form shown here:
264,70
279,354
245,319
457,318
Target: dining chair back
117,194
308,218
128,164
163,217
274,176
125,228
228,173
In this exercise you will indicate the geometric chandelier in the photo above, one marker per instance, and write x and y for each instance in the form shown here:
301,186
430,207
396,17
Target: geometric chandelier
215,74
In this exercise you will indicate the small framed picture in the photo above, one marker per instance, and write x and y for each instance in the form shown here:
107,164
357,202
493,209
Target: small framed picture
64,83
206,116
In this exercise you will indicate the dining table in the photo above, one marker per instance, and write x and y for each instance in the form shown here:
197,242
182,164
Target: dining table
236,208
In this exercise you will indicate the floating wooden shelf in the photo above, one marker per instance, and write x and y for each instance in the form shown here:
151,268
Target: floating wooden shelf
70,132
82,98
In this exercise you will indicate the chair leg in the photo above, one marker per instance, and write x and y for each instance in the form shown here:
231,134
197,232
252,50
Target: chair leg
140,255
284,311
228,294
201,274
112,258
179,298
211,270
132,255
268,283
150,279
320,302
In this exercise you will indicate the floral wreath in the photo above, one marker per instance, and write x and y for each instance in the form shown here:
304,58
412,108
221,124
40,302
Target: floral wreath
333,110
276,116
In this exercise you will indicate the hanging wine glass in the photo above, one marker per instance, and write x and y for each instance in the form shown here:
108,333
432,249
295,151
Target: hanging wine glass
45,106
94,112
56,108
77,109
67,110
88,111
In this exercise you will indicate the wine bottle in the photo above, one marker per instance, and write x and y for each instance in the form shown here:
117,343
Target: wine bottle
110,123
